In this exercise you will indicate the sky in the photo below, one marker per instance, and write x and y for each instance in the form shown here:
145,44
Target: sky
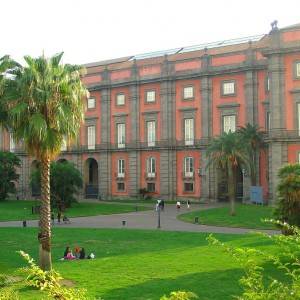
91,30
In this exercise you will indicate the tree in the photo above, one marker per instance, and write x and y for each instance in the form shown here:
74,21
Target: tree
46,107
8,175
252,138
65,180
6,65
288,189
227,152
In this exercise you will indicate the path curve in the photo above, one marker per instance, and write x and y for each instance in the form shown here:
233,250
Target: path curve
145,220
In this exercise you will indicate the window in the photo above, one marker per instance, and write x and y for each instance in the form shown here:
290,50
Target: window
91,103
121,168
268,121
150,96
228,88
188,166
189,131
151,133
91,137
120,99
298,69
188,186
229,123
188,92
121,135
151,187
121,186
268,84
151,167
64,144
12,144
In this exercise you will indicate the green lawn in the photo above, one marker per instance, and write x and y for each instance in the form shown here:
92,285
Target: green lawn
136,264
21,210
247,216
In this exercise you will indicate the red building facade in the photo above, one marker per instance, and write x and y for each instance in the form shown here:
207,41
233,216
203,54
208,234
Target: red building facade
150,117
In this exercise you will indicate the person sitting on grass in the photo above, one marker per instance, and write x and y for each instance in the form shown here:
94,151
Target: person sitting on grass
70,255
82,254
66,251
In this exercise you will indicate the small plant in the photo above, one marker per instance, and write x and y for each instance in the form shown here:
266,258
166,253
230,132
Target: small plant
49,281
286,260
8,294
180,295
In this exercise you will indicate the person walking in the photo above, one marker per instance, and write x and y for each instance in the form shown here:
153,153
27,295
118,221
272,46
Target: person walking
188,204
178,204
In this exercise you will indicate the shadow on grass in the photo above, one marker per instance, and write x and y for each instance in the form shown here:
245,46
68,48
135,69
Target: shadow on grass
207,285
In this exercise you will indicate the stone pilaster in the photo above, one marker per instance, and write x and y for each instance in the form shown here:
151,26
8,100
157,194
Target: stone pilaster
105,156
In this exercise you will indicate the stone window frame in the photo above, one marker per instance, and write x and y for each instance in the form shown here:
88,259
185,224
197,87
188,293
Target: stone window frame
118,159
116,99
298,157
120,119
155,96
267,83
90,122
148,117
184,165
87,105
234,94
295,63
297,112
188,113
229,109
188,182
153,184
121,183
182,93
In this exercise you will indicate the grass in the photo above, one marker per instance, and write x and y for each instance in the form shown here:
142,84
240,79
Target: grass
136,264
247,216
14,210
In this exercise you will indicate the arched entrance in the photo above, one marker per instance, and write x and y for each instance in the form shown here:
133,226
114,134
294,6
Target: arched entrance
62,160
91,178
223,185
35,187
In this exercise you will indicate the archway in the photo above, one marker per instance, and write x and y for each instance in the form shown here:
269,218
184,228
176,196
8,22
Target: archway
223,185
61,160
35,187
91,178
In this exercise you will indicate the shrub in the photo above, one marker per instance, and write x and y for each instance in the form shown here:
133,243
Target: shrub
5,280
180,295
49,281
8,175
288,203
256,285
8,294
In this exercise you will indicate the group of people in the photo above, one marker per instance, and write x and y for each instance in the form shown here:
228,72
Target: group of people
178,204
64,218
160,204
79,253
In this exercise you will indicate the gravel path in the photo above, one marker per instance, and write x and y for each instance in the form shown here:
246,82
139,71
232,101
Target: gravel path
144,220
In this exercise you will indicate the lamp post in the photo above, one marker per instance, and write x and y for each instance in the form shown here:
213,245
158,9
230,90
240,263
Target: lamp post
244,174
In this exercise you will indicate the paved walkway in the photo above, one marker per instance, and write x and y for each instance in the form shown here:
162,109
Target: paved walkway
144,220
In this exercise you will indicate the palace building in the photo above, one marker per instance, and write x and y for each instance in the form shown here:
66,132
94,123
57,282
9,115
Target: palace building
150,117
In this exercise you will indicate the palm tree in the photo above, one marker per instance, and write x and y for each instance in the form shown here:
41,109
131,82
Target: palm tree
252,138
47,107
227,152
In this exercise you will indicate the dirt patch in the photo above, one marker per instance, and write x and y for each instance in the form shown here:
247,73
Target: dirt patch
67,283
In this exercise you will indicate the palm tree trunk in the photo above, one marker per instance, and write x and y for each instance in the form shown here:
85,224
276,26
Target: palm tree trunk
45,218
231,190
